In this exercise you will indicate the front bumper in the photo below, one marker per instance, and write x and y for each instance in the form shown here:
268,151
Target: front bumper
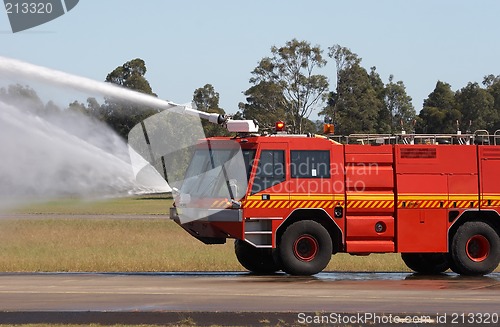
186,215
198,223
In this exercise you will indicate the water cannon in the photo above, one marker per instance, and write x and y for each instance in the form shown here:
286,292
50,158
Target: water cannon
214,118
233,126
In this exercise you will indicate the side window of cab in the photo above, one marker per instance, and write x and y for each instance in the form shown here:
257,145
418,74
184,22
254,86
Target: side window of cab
310,164
270,170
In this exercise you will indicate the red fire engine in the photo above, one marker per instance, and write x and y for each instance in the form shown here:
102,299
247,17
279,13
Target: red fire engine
433,198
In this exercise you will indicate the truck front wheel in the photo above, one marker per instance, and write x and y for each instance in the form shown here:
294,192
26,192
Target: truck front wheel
305,248
475,249
256,260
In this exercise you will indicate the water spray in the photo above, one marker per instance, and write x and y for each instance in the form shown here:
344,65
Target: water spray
17,68
47,157
160,147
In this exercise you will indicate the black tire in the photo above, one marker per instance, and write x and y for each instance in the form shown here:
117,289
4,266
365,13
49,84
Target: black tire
426,263
305,248
256,260
475,249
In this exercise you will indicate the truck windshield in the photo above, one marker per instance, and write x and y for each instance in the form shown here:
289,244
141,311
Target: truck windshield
218,173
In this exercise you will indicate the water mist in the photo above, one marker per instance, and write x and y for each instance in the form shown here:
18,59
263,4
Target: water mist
65,154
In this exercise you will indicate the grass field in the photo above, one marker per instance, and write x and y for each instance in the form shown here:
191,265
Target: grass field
57,236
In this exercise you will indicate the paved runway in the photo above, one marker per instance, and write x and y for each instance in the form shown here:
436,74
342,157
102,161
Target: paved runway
207,298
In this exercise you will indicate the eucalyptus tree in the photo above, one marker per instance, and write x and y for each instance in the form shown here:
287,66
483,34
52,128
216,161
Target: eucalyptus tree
355,104
122,116
492,84
440,112
398,103
207,99
476,105
290,72
265,104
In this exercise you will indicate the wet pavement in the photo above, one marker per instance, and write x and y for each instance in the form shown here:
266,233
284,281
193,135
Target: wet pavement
169,296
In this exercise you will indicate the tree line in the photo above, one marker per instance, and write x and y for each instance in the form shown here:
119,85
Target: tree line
286,86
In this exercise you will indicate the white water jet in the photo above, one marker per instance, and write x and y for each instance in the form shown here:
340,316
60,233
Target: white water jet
15,68
47,157
50,157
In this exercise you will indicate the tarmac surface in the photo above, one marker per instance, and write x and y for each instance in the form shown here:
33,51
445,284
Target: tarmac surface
228,299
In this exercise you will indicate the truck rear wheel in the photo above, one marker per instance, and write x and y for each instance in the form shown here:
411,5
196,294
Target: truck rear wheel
475,249
426,263
256,260
305,248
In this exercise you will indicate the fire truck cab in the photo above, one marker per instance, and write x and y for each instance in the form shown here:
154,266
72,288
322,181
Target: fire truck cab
307,197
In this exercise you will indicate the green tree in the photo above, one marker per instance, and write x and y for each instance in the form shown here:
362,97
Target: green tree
440,112
398,104
119,115
385,118
344,60
291,71
25,98
492,84
22,97
207,99
476,106
355,105
265,104
94,109
77,107
131,75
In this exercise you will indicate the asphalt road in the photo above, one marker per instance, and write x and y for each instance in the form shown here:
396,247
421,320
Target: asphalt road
245,299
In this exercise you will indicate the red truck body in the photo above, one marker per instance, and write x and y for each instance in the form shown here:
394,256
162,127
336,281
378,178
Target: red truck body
436,204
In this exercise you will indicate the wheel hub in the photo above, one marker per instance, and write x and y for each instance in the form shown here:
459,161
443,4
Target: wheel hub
305,248
477,248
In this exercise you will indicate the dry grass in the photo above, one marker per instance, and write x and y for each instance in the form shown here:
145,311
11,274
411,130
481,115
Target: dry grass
132,245
128,245
155,204
106,245
387,262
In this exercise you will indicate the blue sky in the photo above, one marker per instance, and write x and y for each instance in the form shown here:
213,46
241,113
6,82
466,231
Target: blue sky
187,44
